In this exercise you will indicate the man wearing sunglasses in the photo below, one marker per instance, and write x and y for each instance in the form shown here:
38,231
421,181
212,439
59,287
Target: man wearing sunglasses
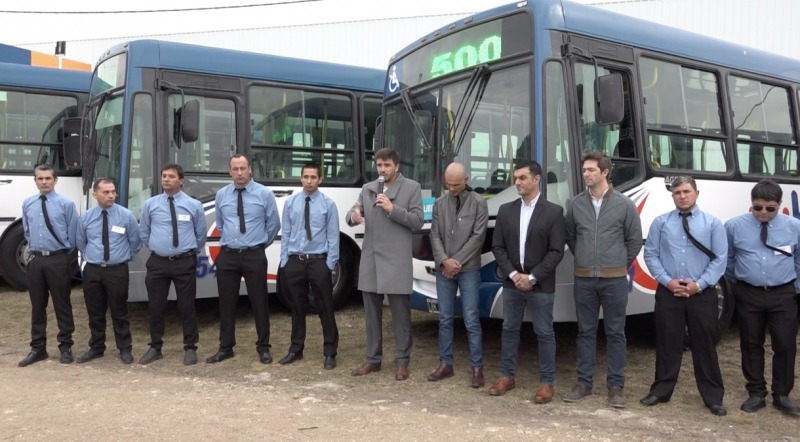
764,264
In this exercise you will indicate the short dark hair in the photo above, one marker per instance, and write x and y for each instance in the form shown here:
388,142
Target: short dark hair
100,181
172,166
767,190
239,155
313,165
387,153
603,162
532,165
683,179
45,168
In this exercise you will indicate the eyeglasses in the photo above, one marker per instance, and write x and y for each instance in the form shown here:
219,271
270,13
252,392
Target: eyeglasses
770,209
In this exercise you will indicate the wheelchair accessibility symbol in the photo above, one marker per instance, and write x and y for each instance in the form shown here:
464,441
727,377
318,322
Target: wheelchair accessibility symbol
394,82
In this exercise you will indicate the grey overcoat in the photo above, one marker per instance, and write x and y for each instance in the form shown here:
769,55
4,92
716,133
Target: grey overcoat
386,252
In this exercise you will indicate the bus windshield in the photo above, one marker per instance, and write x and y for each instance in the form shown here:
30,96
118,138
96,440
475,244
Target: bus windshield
484,124
109,74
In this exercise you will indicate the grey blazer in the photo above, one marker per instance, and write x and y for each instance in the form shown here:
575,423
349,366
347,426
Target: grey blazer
385,265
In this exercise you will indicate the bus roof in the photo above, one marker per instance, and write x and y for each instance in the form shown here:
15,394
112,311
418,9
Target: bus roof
591,21
20,75
203,59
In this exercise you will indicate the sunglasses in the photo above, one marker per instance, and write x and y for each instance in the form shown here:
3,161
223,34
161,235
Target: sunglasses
770,209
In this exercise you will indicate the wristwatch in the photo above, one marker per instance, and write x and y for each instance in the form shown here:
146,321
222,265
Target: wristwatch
532,279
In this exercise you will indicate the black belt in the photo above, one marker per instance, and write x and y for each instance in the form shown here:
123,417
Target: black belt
308,256
767,288
46,253
106,265
244,249
178,256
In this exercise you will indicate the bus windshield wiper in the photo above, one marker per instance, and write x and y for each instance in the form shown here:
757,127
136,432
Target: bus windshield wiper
412,116
477,82
89,152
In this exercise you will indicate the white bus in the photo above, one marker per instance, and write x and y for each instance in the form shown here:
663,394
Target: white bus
34,103
147,95
551,80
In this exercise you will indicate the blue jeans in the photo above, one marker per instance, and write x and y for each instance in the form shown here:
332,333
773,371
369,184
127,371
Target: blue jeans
541,307
468,283
590,295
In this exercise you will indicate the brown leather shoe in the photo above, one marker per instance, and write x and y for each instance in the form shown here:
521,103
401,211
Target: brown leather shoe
401,374
365,369
502,385
477,377
444,371
544,394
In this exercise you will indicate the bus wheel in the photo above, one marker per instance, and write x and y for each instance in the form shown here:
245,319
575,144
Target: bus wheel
725,307
342,277
14,255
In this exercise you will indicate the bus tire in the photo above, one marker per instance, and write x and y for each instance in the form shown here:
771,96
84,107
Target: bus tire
14,254
342,277
725,307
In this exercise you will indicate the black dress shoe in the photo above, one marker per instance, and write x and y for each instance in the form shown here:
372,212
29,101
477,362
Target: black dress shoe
220,356
650,400
66,357
125,356
330,362
93,353
753,404
33,357
152,355
718,410
786,405
291,357
266,357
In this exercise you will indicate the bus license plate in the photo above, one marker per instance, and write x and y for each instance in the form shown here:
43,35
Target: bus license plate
433,305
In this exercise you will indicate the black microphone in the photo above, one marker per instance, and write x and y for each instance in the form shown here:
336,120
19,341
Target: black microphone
381,179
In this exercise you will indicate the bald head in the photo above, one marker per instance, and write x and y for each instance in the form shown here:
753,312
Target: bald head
455,177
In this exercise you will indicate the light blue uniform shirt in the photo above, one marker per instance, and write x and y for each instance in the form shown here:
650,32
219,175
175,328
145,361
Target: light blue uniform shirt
669,254
324,221
63,217
261,217
155,227
749,260
123,235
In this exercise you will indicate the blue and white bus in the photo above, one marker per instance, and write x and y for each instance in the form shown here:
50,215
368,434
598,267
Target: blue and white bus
282,112
34,103
553,79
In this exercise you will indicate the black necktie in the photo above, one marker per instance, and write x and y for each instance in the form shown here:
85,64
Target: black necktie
240,210
765,235
106,247
174,221
47,219
307,218
685,219
458,204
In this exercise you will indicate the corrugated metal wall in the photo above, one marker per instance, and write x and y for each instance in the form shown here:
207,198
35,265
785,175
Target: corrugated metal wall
764,24
367,43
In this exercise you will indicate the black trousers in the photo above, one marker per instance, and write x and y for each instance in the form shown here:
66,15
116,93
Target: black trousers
231,268
672,316
106,288
161,272
761,310
50,276
298,276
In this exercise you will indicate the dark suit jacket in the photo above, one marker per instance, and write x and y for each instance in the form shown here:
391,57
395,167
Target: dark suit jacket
544,244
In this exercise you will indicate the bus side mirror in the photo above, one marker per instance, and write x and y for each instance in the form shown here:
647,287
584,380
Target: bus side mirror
187,123
609,101
72,142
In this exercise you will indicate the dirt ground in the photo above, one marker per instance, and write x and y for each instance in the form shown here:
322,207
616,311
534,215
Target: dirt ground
241,399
